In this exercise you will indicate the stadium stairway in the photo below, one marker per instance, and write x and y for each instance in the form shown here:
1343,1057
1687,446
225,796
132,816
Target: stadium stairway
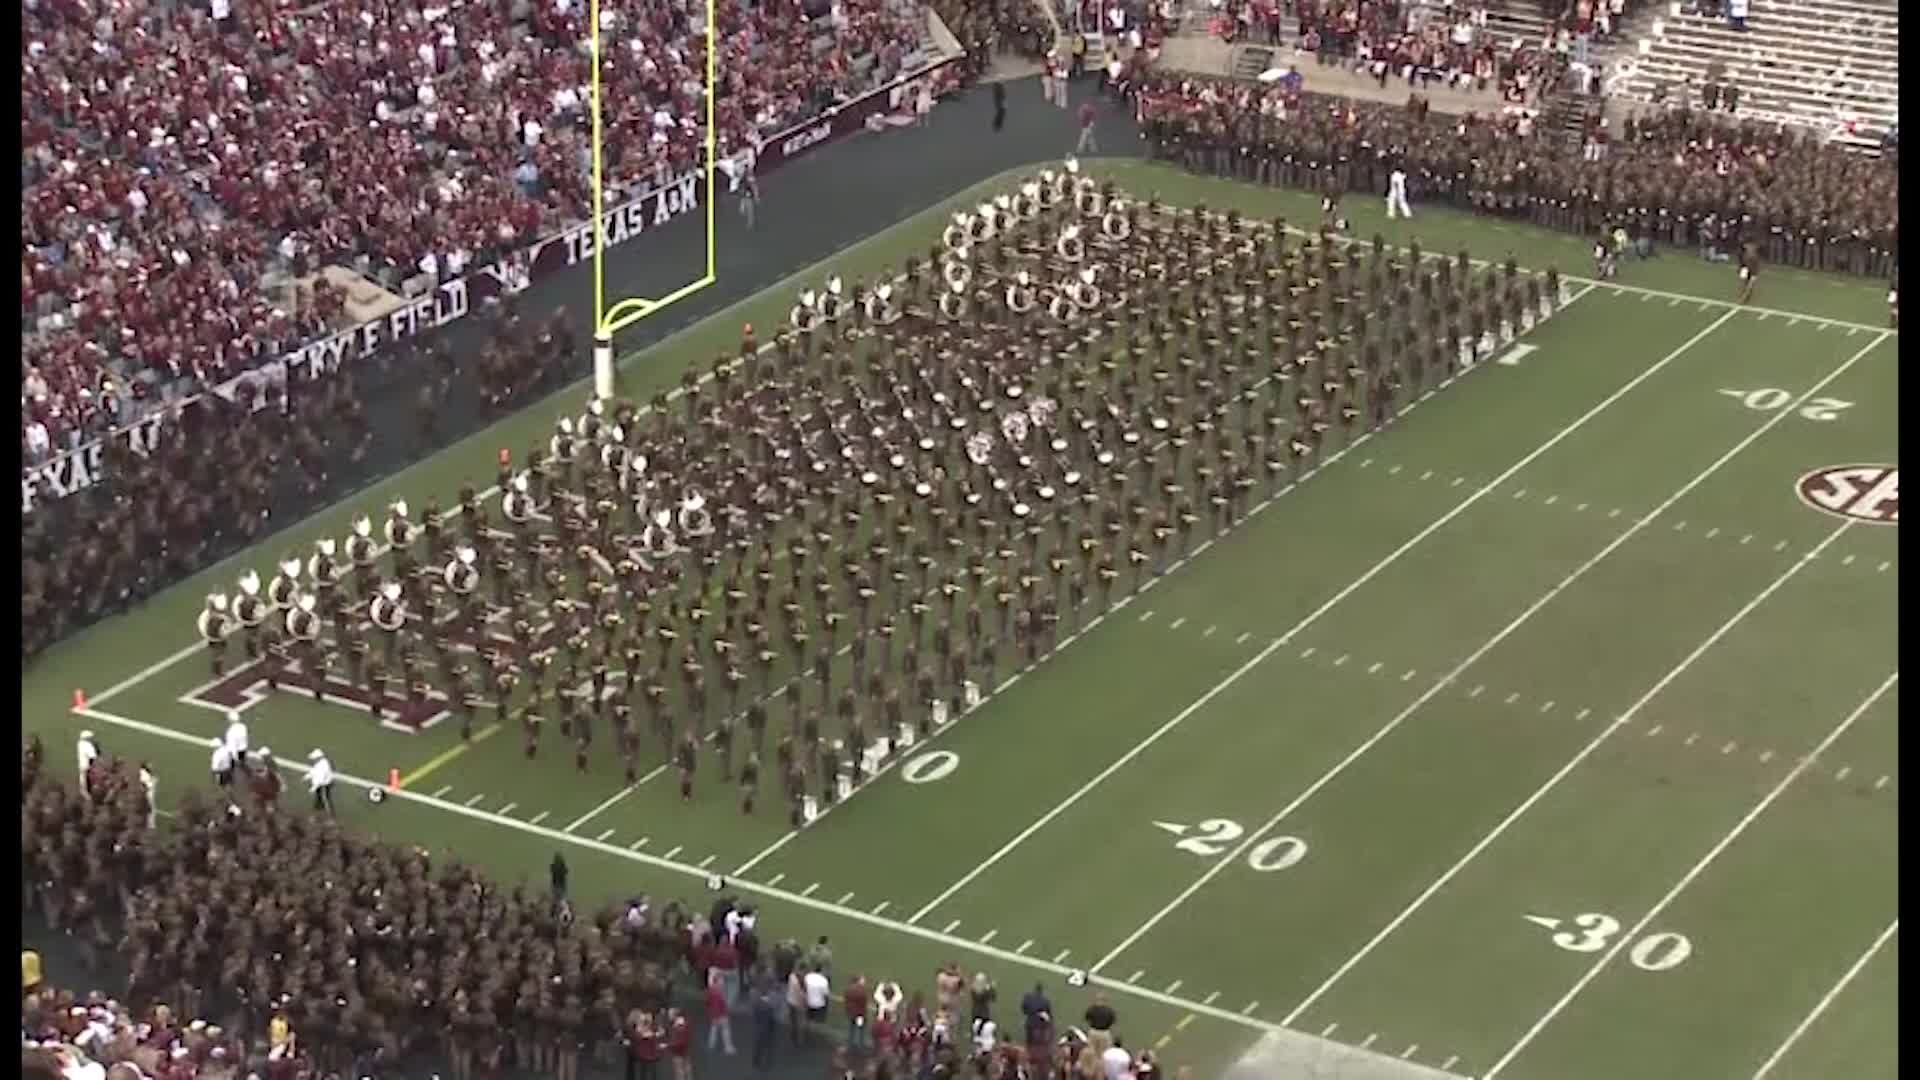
1250,60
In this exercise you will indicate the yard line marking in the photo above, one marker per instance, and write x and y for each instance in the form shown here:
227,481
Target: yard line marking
1135,979
843,900
951,926
539,817
1327,1032
507,810
776,879
603,839
609,801
1586,751
708,861
1177,623
1375,669
443,790
675,850
1024,946
811,889
1211,998
1242,639
1713,854
1173,987
475,799
1828,999
855,915
1064,953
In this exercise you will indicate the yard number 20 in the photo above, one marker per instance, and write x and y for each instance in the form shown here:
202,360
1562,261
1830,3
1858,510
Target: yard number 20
1771,398
1214,836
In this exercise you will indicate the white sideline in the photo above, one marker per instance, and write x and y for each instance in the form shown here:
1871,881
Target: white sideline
1707,860
1821,1007
1608,731
1279,642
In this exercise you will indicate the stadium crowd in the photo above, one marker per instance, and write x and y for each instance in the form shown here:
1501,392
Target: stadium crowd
411,138
272,941
1678,179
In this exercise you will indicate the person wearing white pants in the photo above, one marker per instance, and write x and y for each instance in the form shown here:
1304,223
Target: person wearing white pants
1397,195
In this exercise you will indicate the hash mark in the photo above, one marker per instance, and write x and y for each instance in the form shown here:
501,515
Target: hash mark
1614,513
843,900
1711,533
1327,1032
539,817
507,809
989,936
1248,1011
1177,623
1551,499
1062,958
1880,783
1728,749
1448,1064
1781,546
1883,567
1582,714
1367,1043
443,790
1513,697
1364,462
1024,946
1679,526
1211,998
1145,615
475,799
1747,539
1655,730
1308,654
672,853
1581,508
1766,756
1842,774
1407,1054
708,861
1408,677
1476,691
1208,632
810,890
1342,660
881,907
1458,480
1428,475
1521,494
1136,977
950,926
1375,669
1848,561
642,842
1548,707
1173,987
1691,739
1242,639
1394,471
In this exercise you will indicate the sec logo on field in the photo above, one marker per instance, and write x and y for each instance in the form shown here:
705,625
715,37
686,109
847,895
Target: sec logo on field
1869,493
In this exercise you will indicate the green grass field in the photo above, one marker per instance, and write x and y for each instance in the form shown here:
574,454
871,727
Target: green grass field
1549,734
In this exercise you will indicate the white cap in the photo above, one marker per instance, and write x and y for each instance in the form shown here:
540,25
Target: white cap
315,756
86,735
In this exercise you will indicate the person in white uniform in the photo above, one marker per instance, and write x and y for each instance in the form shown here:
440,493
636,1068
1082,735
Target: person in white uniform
320,781
88,752
1397,195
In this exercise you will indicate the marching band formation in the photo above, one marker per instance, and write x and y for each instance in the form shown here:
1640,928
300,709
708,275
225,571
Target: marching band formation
913,486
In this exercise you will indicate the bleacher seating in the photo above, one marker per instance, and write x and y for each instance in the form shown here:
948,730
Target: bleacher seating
1830,65
167,220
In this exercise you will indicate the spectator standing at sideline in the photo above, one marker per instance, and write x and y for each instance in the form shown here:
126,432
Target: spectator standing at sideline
557,874
1087,143
749,195
855,998
766,1023
999,106
719,1019
1100,1016
819,992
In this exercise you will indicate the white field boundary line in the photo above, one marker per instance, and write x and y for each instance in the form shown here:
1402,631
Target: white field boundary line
1687,879
1450,677
1827,1000
1006,956
894,760
1281,642
1564,771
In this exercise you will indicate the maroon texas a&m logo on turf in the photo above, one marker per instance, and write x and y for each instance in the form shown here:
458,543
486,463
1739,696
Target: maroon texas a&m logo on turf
1869,493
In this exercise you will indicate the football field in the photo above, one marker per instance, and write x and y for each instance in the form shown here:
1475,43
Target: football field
1549,733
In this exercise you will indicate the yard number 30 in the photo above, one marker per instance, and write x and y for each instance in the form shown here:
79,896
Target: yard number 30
1655,952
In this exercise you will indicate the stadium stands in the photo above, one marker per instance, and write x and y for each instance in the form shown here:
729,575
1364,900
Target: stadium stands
174,226
1828,65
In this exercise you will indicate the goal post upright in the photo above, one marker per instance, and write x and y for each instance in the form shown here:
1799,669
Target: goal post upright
608,321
